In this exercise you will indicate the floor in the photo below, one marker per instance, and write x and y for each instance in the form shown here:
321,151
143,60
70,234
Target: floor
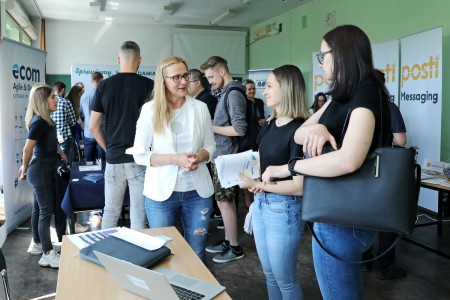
428,274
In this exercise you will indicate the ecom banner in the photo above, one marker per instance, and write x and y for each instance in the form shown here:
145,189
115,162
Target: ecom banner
20,67
82,72
421,98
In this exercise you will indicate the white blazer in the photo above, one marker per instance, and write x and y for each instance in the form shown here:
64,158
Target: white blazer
160,181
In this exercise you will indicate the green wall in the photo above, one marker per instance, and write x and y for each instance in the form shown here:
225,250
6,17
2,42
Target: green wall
51,78
382,20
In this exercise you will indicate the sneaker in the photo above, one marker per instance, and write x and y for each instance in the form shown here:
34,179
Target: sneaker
36,250
50,260
221,225
229,255
216,215
80,228
218,247
57,247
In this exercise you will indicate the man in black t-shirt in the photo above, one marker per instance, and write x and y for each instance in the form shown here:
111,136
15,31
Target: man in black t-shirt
118,99
197,91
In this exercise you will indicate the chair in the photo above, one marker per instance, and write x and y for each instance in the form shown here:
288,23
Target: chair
4,275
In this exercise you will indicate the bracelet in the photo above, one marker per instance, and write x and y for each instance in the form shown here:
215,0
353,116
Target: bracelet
291,165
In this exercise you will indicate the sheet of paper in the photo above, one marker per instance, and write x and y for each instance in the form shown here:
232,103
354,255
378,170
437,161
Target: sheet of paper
85,239
140,239
90,168
229,167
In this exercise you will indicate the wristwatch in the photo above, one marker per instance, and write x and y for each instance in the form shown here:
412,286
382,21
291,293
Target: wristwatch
291,165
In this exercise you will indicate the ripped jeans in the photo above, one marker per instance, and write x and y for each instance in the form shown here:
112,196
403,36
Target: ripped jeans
194,210
339,280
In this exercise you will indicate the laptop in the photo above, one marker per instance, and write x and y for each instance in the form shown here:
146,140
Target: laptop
158,283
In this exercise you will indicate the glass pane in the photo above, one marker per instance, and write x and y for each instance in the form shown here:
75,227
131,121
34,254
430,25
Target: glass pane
26,39
12,30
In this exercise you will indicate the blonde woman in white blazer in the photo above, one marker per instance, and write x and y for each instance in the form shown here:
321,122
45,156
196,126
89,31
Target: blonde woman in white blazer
174,139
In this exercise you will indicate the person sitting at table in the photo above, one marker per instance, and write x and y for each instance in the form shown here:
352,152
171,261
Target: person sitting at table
39,161
174,140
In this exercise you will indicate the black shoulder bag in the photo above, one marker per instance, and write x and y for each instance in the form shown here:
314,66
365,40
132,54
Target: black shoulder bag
381,195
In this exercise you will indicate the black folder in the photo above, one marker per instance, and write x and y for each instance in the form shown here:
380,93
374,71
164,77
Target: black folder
124,250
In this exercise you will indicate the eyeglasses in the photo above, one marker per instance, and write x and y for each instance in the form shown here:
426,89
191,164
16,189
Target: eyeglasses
177,78
321,56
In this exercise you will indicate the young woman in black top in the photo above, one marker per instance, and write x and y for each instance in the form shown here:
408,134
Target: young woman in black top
39,161
277,209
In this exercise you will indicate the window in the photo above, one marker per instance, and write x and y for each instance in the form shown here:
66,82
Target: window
14,32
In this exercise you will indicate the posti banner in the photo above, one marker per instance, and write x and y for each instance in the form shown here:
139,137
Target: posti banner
421,98
386,59
82,72
385,56
21,67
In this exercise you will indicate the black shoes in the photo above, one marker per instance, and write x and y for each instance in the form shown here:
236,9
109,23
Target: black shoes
392,272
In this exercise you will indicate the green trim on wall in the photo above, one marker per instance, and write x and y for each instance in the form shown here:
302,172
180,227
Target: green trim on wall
51,78
382,20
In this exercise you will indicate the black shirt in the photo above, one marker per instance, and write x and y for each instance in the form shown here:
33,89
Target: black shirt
45,137
120,98
277,145
211,101
366,95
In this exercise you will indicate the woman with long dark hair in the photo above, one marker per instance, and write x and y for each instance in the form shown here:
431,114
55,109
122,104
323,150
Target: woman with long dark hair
39,160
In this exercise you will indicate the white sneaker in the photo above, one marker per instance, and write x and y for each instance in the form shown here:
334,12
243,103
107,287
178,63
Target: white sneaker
50,260
36,249
56,247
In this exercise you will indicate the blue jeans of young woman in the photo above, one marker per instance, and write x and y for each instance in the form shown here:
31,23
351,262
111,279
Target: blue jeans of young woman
339,280
40,175
195,213
278,229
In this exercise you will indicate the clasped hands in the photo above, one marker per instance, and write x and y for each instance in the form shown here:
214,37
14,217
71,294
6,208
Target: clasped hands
188,161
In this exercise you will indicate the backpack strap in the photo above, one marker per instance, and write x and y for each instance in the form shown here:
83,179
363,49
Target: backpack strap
225,100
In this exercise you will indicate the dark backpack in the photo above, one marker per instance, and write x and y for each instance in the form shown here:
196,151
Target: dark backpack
248,141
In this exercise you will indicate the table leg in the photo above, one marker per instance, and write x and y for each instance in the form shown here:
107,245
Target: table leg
440,204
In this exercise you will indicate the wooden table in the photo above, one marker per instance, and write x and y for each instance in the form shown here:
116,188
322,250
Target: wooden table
441,189
81,279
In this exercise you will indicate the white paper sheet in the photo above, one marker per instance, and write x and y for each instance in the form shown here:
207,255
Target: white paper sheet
229,167
140,239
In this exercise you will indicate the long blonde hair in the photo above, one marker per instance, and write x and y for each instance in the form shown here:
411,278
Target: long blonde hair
161,110
293,93
38,104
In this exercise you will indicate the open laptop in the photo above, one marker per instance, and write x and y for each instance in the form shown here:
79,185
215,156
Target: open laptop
159,283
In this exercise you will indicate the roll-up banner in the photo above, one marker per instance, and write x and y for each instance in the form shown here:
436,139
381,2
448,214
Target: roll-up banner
320,83
21,67
421,98
82,72
385,59
260,78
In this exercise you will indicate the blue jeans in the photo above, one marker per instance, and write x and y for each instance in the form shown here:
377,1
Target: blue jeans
117,176
40,175
194,210
339,280
278,229
92,150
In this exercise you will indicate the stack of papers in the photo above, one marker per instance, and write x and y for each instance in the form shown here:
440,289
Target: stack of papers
229,167
90,168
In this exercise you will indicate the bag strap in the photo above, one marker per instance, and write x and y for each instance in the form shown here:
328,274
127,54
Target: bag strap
225,100
397,239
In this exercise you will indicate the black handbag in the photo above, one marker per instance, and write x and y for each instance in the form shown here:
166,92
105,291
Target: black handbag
381,195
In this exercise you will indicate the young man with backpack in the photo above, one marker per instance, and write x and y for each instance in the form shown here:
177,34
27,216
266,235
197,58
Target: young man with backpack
229,123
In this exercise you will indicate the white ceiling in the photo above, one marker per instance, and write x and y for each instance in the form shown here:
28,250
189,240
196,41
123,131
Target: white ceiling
184,13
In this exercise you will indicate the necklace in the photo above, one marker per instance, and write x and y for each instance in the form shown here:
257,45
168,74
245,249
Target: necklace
282,121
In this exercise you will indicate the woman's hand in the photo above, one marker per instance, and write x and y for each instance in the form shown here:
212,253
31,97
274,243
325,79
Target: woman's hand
22,173
273,172
194,159
250,184
314,141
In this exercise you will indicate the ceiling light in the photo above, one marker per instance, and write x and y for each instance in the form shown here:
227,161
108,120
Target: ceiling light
108,19
225,14
164,12
94,10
